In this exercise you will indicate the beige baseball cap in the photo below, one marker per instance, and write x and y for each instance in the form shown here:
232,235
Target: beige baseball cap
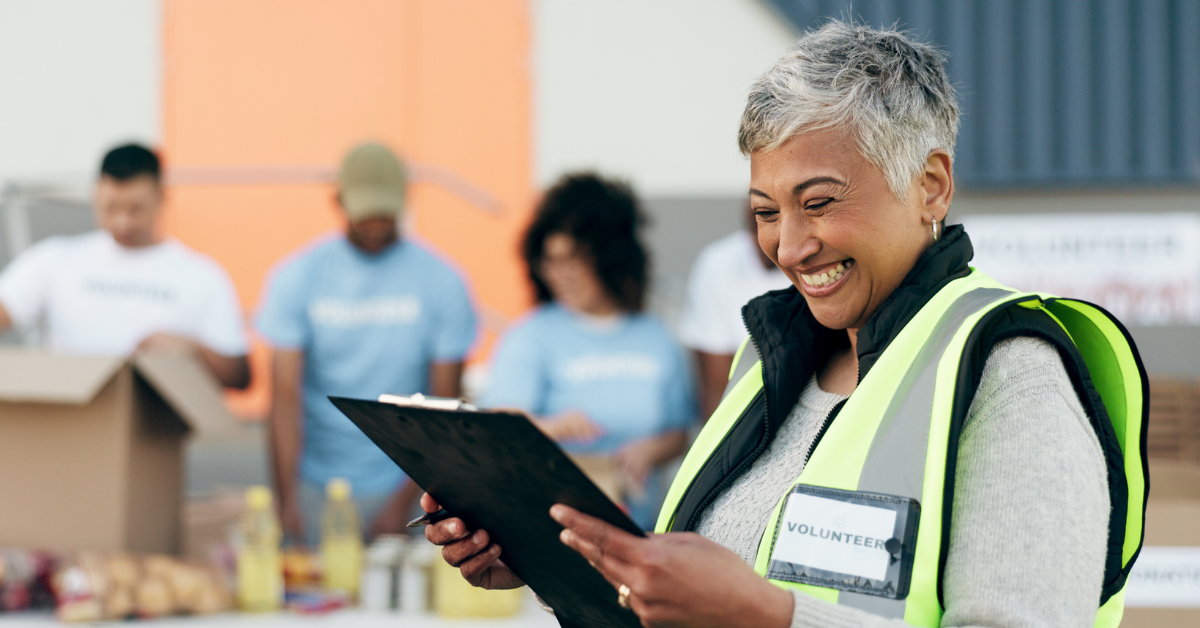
372,182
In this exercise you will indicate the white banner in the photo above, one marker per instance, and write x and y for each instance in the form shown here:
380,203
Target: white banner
1165,577
1144,268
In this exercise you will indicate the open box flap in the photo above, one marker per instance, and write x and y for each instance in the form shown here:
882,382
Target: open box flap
188,387
41,377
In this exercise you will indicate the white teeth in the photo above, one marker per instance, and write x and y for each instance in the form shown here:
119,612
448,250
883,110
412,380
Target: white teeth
825,278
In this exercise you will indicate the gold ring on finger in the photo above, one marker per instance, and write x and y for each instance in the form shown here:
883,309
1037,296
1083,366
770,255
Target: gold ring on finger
623,596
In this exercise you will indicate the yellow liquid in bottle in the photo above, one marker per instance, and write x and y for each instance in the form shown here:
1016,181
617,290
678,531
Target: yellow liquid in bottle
341,541
259,561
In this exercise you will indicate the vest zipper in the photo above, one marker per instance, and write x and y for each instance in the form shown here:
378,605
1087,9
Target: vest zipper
829,420
824,428
820,433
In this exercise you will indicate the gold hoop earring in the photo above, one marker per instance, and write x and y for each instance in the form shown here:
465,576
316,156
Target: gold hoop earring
937,230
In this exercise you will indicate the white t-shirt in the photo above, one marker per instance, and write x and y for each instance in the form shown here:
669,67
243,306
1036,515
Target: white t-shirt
101,298
726,275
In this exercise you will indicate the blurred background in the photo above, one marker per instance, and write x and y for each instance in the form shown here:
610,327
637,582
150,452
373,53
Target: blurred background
1075,107
1078,162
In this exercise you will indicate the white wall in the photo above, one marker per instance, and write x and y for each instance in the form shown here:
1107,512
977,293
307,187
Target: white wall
650,90
77,76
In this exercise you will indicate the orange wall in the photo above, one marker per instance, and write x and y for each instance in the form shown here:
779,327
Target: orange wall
259,95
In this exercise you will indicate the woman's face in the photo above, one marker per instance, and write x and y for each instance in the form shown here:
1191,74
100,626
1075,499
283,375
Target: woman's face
570,274
827,218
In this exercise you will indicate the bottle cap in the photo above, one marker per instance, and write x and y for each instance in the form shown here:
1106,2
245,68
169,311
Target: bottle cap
258,497
338,489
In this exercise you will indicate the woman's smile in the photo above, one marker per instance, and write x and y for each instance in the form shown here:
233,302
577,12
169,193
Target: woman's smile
823,281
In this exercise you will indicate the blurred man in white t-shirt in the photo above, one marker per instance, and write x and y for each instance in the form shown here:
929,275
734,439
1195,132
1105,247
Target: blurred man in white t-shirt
726,274
125,287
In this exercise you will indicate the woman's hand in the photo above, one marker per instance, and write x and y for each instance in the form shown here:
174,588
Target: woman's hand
635,461
678,579
638,458
477,559
570,426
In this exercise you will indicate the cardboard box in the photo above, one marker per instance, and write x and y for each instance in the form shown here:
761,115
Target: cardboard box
1164,588
91,448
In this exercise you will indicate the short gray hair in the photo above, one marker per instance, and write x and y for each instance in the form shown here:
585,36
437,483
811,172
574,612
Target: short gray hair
890,91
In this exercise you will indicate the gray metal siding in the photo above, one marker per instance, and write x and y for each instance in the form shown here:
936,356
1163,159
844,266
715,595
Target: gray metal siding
1058,92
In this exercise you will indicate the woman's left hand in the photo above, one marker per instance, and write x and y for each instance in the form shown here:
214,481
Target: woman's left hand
639,457
677,579
635,461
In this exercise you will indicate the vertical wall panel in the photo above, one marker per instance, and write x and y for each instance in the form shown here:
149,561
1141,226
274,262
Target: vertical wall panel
995,110
959,35
1058,92
1152,111
1185,65
1113,51
1074,112
1035,156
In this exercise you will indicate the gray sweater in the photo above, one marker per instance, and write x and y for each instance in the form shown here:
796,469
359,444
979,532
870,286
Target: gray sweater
1030,524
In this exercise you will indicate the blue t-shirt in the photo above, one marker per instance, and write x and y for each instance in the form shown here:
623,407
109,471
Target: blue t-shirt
367,324
629,378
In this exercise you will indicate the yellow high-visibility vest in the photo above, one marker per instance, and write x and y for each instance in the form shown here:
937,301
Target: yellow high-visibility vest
908,396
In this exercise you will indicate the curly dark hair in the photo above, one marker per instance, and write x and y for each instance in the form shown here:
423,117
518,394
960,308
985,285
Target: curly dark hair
603,217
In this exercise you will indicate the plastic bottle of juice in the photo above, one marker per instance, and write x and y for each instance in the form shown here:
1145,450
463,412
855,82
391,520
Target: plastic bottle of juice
341,540
259,563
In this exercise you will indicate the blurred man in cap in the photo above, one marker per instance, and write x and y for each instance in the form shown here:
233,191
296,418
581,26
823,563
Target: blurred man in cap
357,315
125,287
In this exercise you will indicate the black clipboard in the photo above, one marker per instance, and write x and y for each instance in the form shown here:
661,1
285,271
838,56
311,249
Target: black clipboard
498,472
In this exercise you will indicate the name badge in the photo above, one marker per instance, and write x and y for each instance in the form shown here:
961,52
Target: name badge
846,540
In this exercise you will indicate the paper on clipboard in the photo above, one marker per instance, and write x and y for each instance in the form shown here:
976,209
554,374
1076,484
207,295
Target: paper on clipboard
433,403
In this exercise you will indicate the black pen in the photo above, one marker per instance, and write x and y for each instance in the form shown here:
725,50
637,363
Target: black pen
429,518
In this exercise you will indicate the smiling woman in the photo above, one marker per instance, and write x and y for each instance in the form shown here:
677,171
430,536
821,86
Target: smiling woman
904,441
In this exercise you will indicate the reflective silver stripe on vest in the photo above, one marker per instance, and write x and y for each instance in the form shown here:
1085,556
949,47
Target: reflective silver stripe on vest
749,359
895,464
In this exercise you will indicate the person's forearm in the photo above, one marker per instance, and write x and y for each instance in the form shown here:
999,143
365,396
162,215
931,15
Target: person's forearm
668,445
231,372
5,319
445,379
287,433
397,510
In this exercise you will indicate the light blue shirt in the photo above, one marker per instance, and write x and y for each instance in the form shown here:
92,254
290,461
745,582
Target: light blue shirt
367,324
630,378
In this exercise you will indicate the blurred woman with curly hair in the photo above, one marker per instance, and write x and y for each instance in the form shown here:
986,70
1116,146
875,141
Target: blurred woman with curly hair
597,373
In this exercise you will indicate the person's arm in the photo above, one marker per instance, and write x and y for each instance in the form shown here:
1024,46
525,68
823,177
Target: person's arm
221,334
287,436
230,371
445,379
704,328
713,370
637,459
5,320
25,282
